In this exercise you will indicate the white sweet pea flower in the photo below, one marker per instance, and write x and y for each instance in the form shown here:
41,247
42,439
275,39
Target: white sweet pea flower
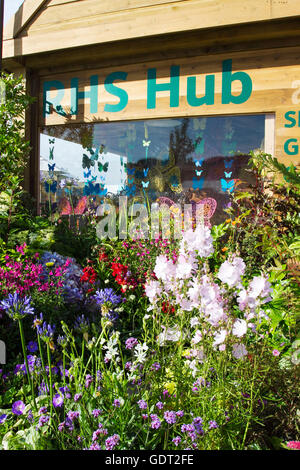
239,328
230,272
194,321
169,334
220,337
164,268
197,338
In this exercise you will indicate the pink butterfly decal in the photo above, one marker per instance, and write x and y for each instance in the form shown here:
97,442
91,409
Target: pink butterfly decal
66,208
209,209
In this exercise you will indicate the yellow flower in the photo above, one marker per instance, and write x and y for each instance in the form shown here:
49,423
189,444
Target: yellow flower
224,248
50,264
170,386
186,352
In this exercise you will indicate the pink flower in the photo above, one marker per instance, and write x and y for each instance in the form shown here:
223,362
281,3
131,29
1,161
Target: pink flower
294,445
275,352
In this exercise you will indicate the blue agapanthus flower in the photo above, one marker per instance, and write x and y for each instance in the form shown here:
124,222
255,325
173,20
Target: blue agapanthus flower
81,324
17,307
46,331
104,296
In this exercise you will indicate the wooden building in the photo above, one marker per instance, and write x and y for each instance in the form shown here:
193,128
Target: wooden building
155,97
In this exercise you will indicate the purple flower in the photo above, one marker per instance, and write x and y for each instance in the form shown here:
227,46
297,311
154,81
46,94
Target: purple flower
107,295
130,343
43,410
142,404
61,426
179,413
155,421
3,419
96,413
117,403
18,407
88,380
94,446
187,428
44,419
198,422
155,366
159,405
176,440
77,397
170,417
112,441
32,346
30,417
72,415
17,307
213,425
58,400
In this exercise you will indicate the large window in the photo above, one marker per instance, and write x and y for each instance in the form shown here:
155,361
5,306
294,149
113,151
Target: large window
183,159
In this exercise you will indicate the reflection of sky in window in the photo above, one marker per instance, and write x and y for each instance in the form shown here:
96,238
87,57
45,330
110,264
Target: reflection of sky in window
68,162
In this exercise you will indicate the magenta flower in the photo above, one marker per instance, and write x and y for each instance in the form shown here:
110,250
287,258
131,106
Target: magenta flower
293,445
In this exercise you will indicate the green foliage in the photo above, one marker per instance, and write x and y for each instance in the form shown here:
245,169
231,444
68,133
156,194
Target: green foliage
14,149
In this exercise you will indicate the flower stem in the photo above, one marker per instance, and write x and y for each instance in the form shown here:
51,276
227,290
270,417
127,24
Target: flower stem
26,361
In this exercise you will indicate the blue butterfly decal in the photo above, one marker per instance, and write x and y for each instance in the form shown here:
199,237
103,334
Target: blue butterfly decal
228,164
198,184
145,170
199,172
51,167
102,178
199,162
227,185
50,186
227,175
130,171
87,174
94,189
130,190
130,180
145,184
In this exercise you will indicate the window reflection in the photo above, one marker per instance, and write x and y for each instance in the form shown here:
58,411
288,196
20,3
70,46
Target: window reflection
182,159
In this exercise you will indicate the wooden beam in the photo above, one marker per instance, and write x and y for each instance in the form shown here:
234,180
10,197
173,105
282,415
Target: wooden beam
147,22
21,18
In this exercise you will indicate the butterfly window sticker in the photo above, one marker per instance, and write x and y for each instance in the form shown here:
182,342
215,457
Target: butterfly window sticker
50,183
90,164
228,148
199,126
146,144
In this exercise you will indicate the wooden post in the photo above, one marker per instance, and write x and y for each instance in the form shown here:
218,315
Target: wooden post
1,30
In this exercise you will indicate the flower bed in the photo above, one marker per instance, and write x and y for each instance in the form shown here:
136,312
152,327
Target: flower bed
176,351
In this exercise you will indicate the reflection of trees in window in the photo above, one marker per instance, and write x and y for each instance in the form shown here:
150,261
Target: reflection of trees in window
180,144
80,134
